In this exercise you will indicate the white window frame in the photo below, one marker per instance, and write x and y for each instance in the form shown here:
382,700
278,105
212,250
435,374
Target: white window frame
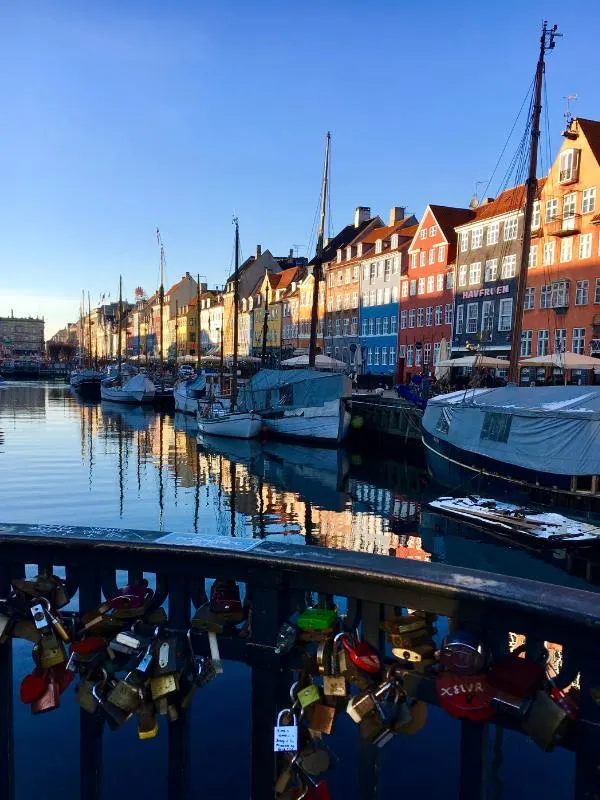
493,233
475,273
529,299
551,211
509,267
462,275
578,340
543,342
472,318
460,319
526,343
430,284
464,241
566,249
582,292
585,245
588,200
505,303
477,238
511,227
491,270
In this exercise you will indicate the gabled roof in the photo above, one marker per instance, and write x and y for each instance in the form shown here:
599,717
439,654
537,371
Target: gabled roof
286,277
449,217
342,239
511,199
385,231
591,130
179,283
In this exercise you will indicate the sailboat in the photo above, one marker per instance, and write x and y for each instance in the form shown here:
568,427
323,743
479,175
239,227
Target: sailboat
163,390
542,440
86,380
215,419
137,389
189,391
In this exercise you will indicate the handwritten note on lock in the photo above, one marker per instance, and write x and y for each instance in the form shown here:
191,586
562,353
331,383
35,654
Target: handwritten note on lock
286,739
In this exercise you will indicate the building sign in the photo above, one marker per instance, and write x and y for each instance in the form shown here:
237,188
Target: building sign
487,292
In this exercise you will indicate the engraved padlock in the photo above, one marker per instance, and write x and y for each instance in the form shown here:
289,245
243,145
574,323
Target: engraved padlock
113,716
462,652
127,694
165,679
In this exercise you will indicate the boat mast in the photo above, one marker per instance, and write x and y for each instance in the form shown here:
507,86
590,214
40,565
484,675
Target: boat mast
265,330
90,330
198,332
546,43
120,312
161,298
176,333
236,303
318,262
81,328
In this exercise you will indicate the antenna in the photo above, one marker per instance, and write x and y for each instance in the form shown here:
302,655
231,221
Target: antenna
570,98
297,247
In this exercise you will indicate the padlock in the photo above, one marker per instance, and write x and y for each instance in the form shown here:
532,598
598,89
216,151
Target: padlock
545,722
55,621
418,719
321,718
50,699
286,638
517,676
84,696
334,683
462,652
199,672
113,716
147,721
360,705
225,598
33,686
361,653
39,616
285,735
127,694
465,696
317,619
49,652
26,629
313,760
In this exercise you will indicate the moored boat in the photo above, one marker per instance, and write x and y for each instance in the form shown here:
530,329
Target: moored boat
189,392
135,390
87,382
215,420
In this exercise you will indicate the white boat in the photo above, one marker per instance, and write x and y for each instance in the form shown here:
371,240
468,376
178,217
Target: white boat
510,519
135,390
216,420
301,403
188,393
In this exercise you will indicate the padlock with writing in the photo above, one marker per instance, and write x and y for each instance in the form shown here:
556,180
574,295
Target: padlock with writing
165,677
127,693
285,733
113,716
465,696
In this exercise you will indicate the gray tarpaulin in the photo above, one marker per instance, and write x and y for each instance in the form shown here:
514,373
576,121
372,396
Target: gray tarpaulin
274,388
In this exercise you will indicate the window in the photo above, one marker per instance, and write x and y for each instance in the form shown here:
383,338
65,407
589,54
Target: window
418,354
427,353
509,267
421,289
476,238
385,324
378,244
386,295
487,315
423,233
536,216
449,280
526,339
409,355
384,356
448,314
585,245
529,301
438,315
475,273
460,315
569,205
493,233
436,352
581,293
413,260
376,360
472,317
548,254
337,327
387,272
354,299
403,319
372,272
464,241
566,249
340,277
370,356
356,273
546,296
396,262
569,166
579,340
462,275
346,301
491,270
392,356
366,299
395,293
542,343
422,258
379,296
551,209
430,284
364,327
433,230
366,272
338,302
428,316
510,229
402,351
411,318
393,323
394,241
346,326
371,326
372,297
441,254
329,327
505,316
420,314
496,427
413,288
560,294
354,326
440,282
432,256
597,292
588,202
560,340
378,326
404,291
330,303
533,255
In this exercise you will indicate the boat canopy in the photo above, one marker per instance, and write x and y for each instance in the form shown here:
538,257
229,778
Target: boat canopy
139,383
554,426
274,388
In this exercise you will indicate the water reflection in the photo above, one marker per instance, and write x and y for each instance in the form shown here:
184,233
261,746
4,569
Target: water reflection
115,465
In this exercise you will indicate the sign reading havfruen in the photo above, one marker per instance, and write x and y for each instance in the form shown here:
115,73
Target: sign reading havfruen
488,291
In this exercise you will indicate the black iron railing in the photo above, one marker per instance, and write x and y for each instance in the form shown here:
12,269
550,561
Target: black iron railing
277,577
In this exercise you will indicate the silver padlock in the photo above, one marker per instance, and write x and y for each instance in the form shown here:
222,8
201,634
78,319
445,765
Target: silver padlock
463,652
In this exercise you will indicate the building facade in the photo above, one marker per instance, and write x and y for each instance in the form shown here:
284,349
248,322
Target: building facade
21,336
426,289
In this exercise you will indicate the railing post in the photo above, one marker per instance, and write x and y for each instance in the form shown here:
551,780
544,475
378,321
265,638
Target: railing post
7,760
90,725
368,753
587,735
179,731
474,758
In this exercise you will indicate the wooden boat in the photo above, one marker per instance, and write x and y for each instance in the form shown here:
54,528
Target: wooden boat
215,420
135,390
547,527
188,393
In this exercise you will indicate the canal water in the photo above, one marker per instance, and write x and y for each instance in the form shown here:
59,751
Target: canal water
67,462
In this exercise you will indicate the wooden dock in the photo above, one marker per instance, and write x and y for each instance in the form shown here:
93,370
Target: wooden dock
385,417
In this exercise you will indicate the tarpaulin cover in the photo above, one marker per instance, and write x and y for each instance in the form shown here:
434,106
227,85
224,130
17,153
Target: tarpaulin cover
275,388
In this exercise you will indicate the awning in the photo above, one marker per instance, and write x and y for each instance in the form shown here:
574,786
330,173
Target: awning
567,360
477,360
321,362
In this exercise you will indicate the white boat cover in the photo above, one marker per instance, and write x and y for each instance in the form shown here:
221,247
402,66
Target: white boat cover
298,388
139,383
552,429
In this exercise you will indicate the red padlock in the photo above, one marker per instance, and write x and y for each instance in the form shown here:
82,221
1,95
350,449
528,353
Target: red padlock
33,686
318,792
91,644
465,696
361,653
225,597
63,676
134,596
517,676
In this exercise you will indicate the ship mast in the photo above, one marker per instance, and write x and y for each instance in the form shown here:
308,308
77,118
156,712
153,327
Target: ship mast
161,298
236,303
318,262
546,43
120,323
198,332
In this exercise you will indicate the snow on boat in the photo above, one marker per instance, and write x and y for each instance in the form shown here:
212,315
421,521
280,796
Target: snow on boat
507,518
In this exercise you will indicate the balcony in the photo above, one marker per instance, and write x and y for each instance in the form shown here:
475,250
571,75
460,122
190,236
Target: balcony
277,577
564,226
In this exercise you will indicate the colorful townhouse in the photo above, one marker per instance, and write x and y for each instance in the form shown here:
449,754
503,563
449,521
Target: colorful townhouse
341,266
426,289
268,297
562,300
382,249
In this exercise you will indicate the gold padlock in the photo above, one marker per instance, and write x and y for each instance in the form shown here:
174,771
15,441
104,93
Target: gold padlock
50,655
162,685
125,695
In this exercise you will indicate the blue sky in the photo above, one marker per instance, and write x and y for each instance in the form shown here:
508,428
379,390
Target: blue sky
121,116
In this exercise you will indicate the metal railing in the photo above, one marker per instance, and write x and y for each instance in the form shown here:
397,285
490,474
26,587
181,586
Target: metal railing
277,576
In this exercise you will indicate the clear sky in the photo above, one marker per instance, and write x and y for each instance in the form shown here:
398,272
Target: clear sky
121,115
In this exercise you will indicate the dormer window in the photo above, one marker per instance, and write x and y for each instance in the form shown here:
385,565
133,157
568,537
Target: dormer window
568,166
339,255
394,242
378,246
348,253
359,249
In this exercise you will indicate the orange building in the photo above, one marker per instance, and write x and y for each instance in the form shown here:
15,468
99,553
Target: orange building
562,300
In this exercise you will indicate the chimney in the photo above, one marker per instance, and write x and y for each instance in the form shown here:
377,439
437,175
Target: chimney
187,275
258,251
396,214
362,214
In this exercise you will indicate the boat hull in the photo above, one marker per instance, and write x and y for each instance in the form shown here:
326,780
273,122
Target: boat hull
184,403
327,424
117,395
231,426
